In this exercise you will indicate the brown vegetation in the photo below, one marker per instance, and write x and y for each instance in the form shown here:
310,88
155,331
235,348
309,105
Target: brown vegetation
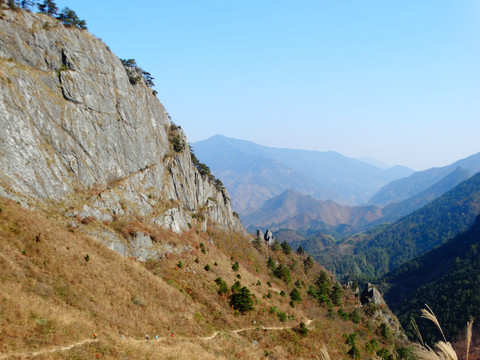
58,287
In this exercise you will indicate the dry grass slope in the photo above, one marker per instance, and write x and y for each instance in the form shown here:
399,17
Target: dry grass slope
59,286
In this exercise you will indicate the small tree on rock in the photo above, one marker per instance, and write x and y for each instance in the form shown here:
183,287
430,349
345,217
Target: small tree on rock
48,7
26,4
69,18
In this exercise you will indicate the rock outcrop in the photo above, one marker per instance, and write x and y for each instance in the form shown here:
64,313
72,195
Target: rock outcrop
268,236
370,295
373,300
77,135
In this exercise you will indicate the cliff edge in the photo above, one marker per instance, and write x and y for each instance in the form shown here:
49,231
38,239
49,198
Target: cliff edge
78,136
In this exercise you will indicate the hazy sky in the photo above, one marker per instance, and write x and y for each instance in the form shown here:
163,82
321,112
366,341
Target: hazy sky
395,80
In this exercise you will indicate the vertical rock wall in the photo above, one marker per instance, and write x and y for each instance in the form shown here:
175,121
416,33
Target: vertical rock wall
76,132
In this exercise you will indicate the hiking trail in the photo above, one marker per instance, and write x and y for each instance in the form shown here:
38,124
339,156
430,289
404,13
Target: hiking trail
31,354
261,327
45,351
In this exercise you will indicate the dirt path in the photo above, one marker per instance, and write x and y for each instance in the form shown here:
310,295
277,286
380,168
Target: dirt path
27,355
308,322
45,351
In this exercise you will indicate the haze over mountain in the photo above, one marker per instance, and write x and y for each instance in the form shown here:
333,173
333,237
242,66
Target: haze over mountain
254,173
260,180
395,210
402,189
293,210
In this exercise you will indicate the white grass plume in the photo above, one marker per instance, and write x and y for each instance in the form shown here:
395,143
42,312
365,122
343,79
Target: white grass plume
443,349
428,314
469,334
417,332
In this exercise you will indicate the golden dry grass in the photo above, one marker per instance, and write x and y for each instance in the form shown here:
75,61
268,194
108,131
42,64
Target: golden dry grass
51,297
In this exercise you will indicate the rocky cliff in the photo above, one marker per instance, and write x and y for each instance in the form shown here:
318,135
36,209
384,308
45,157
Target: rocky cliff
78,136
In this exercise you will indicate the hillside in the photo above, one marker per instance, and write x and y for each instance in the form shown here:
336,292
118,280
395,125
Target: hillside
109,225
388,246
60,286
424,229
402,189
326,175
445,278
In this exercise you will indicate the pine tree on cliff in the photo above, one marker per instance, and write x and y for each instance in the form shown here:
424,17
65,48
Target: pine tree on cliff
48,7
26,4
69,18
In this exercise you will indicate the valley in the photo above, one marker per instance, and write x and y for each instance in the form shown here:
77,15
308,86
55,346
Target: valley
119,239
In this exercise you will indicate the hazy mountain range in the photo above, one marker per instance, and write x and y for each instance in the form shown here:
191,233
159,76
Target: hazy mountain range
254,173
309,190
293,210
419,181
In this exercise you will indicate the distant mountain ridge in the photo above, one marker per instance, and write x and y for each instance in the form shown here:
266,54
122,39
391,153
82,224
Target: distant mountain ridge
404,188
293,210
394,211
254,173
296,211
424,229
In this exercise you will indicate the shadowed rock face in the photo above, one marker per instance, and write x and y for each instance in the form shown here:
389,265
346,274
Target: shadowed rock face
370,294
75,132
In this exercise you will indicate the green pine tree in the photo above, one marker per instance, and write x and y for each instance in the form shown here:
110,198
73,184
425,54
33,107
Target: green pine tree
48,7
336,294
242,300
286,248
295,295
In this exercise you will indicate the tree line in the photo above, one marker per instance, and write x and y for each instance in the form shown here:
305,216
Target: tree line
67,16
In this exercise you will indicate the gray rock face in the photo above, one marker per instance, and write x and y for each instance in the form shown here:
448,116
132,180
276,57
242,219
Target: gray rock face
370,295
76,133
269,238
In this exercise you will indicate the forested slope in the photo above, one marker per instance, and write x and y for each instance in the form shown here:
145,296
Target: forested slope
388,246
447,278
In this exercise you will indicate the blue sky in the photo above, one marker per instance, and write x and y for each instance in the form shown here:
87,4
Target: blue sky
395,80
